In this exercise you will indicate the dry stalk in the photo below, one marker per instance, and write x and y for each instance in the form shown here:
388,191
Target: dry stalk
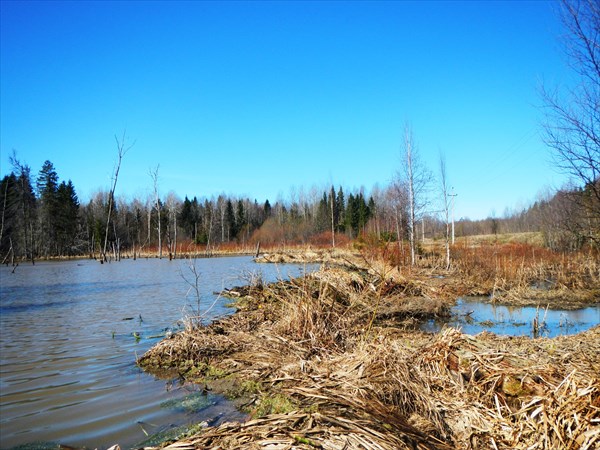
305,339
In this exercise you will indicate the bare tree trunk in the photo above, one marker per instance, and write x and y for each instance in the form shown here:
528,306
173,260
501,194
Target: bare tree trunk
257,249
9,252
149,236
169,239
445,195
399,237
247,221
12,252
408,146
453,200
154,176
3,210
175,234
116,243
24,178
93,246
32,244
417,180
332,195
121,150
223,207
210,225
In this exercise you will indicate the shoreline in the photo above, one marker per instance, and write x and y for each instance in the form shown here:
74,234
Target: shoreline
332,359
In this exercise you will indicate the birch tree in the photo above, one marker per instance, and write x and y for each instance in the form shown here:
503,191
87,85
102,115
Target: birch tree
157,206
172,204
397,197
417,179
333,215
446,207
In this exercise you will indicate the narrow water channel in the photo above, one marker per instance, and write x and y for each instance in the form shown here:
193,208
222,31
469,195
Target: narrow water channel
476,314
70,333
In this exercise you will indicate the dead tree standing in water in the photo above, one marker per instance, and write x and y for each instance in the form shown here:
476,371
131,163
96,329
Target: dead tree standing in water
121,150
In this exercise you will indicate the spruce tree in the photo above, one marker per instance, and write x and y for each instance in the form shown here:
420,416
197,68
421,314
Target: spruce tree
341,207
47,188
240,217
351,216
67,217
230,220
323,214
186,217
267,209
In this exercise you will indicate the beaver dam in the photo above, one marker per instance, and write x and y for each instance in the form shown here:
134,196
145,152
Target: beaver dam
335,360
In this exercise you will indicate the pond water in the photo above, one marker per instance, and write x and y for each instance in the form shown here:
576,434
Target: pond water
476,314
70,333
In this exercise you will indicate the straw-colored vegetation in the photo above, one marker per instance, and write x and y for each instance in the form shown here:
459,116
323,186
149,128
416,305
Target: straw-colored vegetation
522,273
333,361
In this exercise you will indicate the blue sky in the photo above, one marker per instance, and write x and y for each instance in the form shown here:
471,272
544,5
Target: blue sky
260,99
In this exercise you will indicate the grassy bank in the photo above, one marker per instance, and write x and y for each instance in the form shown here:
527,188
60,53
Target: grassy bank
332,360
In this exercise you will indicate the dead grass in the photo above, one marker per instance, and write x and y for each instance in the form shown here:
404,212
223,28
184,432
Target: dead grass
528,274
330,349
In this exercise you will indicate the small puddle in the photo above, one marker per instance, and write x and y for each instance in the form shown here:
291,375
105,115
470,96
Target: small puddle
476,314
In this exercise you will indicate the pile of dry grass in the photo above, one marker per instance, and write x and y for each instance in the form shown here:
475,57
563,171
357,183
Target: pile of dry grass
302,430
467,392
336,256
516,394
330,345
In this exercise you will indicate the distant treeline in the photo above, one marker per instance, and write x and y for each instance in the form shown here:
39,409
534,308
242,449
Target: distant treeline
42,217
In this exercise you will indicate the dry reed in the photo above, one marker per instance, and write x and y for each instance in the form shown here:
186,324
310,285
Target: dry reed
331,344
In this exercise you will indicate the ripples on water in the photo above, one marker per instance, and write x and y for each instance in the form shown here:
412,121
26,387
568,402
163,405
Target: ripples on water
67,355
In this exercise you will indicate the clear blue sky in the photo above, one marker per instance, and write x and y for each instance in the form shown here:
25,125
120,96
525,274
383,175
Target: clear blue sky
257,99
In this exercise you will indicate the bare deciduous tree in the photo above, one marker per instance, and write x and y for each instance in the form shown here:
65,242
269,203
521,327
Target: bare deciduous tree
121,150
397,198
572,123
446,206
154,176
172,204
417,179
332,206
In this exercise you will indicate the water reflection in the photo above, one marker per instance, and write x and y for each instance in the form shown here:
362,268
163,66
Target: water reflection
67,354
476,314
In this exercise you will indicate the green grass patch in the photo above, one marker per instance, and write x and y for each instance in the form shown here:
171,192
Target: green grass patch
272,404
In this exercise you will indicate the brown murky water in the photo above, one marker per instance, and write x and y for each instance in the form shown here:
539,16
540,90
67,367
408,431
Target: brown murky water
68,347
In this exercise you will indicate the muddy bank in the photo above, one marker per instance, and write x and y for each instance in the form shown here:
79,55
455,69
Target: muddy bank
332,361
